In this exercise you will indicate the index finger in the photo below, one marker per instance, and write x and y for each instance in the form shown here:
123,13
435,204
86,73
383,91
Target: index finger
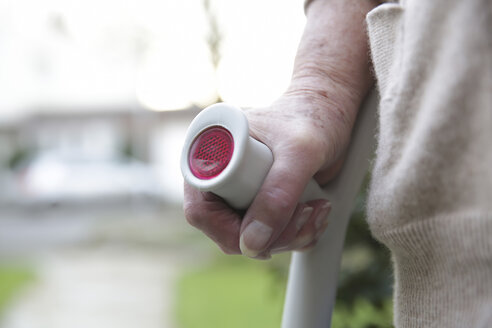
210,214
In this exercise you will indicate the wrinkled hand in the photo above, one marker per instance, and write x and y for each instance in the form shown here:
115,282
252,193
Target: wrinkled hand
307,129
307,134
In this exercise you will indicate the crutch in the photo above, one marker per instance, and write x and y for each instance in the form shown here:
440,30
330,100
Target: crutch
219,156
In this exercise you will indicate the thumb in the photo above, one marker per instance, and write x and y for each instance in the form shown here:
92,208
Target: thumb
273,206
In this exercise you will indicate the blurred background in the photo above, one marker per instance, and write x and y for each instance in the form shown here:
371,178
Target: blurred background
95,99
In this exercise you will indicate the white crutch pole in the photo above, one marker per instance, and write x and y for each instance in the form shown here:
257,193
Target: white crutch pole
313,275
219,156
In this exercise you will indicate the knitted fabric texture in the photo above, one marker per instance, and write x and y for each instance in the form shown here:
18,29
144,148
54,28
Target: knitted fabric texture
430,198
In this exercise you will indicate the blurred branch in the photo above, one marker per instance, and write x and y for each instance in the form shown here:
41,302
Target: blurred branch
214,37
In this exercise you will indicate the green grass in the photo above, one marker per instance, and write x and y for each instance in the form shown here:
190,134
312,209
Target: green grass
240,293
237,293
12,279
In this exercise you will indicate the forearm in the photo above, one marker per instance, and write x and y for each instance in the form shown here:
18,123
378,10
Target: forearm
332,65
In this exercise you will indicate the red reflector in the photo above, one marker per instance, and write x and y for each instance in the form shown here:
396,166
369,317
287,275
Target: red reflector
211,152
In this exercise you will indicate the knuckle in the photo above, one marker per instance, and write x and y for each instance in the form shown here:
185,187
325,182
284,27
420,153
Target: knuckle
320,137
308,143
278,200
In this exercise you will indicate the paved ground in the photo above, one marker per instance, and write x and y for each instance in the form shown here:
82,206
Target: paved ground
118,272
110,288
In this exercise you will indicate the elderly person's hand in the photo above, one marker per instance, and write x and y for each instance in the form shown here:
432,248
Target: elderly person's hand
308,129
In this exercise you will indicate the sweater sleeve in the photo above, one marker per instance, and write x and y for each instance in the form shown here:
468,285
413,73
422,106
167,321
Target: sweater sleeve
430,200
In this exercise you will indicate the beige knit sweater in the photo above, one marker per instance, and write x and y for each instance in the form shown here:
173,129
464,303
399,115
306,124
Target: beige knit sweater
431,195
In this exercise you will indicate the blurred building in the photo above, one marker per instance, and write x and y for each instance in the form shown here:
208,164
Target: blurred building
87,153
96,96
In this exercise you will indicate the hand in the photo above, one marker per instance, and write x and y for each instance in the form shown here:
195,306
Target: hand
307,135
307,129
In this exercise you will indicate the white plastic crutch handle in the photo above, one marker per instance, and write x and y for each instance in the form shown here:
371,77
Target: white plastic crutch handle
251,160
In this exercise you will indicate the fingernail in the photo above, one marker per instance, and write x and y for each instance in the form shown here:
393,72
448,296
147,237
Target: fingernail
322,217
264,257
254,238
280,250
302,241
321,230
304,217
308,248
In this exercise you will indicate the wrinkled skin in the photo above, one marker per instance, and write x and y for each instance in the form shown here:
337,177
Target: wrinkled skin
308,129
301,143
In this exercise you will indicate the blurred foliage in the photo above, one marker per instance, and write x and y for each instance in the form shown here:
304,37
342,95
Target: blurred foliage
214,36
239,292
363,314
127,151
12,280
19,157
366,266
